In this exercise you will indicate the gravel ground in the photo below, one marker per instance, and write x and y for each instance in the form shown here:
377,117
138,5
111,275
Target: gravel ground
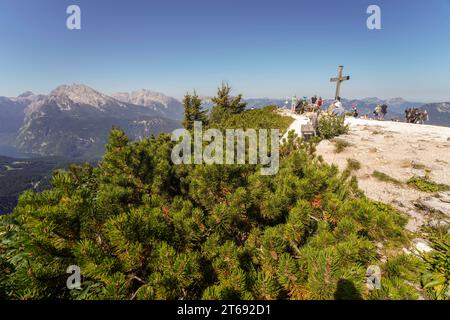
401,151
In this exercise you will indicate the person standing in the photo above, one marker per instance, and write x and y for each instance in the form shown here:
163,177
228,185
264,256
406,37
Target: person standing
355,111
338,103
338,108
293,103
425,116
319,103
384,109
377,112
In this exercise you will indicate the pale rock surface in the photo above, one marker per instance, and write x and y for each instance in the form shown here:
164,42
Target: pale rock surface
398,150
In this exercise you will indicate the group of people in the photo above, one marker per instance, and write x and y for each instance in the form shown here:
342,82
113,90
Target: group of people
380,111
318,102
415,115
302,106
315,105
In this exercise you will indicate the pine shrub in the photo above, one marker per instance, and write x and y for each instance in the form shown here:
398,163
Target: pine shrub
140,227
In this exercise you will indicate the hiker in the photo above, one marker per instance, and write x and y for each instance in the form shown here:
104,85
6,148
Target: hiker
294,103
314,99
319,103
338,108
338,103
305,103
355,111
384,108
300,107
409,115
425,116
377,112
422,116
412,115
416,116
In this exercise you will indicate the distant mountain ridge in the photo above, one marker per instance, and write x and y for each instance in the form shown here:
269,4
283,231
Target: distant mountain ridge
74,120
168,107
439,113
364,105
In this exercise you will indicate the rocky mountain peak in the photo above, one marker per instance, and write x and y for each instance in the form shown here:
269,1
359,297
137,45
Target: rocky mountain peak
81,94
26,94
168,106
144,97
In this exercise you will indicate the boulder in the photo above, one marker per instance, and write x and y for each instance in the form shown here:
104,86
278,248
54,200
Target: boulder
437,224
433,204
422,245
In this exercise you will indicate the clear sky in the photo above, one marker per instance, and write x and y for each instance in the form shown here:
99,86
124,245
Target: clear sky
262,48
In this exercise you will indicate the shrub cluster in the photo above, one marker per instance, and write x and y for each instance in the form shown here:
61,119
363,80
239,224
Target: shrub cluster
331,126
140,227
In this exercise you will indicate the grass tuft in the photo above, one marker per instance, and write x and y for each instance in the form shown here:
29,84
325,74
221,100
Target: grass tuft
426,185
353,165
385,178
340,145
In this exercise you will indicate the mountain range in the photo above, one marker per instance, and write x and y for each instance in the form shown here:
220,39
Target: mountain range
74,120
397,106
439,113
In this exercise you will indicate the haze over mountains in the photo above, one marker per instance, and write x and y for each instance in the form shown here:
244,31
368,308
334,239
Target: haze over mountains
74,120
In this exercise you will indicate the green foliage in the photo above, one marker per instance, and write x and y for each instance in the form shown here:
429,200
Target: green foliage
436,278
192,111
140,227
385,178
400,276
225,105
353,165
264,118
426,185
19,175
340,145
331,126
418,166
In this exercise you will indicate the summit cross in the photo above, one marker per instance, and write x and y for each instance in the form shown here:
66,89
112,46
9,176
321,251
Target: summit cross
339,80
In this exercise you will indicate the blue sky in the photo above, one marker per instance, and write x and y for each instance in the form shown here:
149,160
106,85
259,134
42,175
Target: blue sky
262,48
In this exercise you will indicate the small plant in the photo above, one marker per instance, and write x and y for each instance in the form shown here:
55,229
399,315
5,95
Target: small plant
418,166
399,278
331,126
340,145
353,165
385,178
426,185
437,277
